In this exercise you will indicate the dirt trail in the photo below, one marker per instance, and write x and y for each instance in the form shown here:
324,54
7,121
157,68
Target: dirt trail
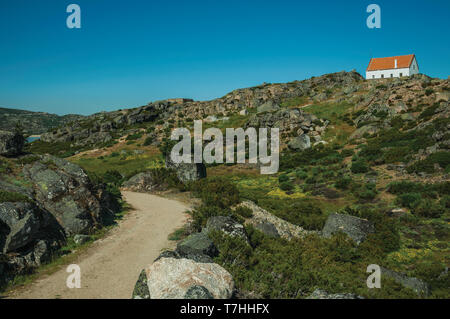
111,266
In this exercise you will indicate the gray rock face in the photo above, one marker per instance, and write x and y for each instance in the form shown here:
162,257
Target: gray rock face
356,228
21,225
187,172
140,290
170,278
227,225
420,287
321,294
64,189
11,144
300,143
197,247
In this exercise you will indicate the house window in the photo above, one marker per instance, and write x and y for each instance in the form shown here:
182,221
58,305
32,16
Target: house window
382,76
392,75
401,74
373,76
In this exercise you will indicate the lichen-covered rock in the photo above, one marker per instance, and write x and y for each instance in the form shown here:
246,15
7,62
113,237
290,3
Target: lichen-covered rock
81,239
268,229
64,189
142,182
141,288
227,225
21,224
356,228
11,144
197,247
269,106
322,294
170,278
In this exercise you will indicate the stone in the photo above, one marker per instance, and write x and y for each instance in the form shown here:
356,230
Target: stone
11,144
243,112
366,129
142,182
300,143
356,228
196,246
267,229
170,278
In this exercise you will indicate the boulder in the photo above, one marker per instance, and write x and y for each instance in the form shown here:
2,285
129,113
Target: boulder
65,190
227,225
170,278
356,228
11,144
197,247
187,172
300,143
20,224
322,294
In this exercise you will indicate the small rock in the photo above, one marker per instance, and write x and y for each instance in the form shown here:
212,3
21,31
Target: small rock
81,239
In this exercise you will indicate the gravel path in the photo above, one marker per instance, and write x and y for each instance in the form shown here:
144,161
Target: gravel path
111,266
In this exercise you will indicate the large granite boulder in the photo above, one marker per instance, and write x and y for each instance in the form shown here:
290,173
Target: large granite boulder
356,228
269,106
170,278
11,144
64,189
187,172
20,224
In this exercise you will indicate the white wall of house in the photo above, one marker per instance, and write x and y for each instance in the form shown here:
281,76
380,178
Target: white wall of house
390,73
414,68
393,73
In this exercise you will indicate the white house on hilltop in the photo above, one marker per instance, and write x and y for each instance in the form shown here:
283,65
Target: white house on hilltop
392,67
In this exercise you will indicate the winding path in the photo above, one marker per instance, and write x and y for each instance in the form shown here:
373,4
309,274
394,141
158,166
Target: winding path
111,266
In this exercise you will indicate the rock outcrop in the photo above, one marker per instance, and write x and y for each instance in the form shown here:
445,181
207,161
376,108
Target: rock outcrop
197,247
11,144
227,225
418,286
356,228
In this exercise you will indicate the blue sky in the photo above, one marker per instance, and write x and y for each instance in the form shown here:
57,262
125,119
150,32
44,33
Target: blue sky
129,53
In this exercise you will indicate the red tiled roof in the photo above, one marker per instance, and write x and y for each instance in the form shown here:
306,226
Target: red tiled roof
403,61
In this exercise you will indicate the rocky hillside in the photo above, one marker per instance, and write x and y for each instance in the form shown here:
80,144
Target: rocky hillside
32,123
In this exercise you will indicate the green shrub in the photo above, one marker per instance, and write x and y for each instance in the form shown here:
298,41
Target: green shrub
244,212
410,200
359,166
286,186
429,209
216,191
148,141
283,178
343,182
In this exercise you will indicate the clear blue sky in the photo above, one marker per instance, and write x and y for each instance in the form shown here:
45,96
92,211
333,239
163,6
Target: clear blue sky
129,53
